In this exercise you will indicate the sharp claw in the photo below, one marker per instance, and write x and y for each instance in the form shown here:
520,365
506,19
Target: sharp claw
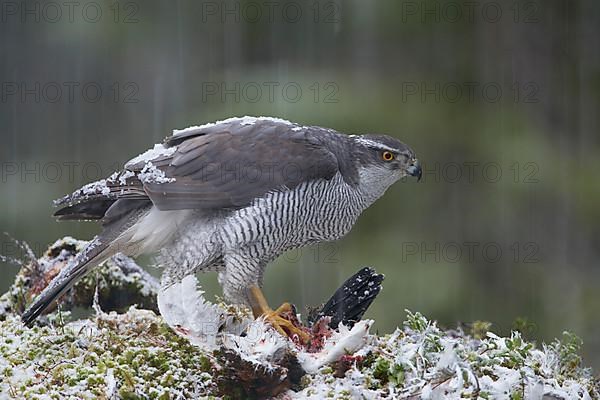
279,322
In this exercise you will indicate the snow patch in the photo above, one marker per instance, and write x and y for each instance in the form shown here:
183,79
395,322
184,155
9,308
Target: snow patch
151,174
246,120
94,188
111,384
157,151
124,176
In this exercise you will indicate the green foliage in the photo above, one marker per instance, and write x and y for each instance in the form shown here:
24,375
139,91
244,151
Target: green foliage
526,327
517,351
388,372
416,321
479,329
568,348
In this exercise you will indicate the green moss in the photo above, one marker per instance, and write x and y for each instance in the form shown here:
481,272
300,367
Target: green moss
148,360
141,360
327,370
381,370
385,371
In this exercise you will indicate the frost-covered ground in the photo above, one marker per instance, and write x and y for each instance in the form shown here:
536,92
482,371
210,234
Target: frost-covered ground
420,361
204,350
137,355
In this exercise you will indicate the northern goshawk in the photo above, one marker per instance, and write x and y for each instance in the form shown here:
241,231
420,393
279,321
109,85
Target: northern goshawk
230,197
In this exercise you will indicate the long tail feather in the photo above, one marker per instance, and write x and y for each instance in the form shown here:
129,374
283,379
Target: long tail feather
119,217
93,254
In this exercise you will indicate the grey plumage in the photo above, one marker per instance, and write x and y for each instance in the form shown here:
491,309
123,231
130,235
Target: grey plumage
230,197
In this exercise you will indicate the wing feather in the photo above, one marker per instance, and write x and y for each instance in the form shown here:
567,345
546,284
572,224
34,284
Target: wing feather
220,166
230,165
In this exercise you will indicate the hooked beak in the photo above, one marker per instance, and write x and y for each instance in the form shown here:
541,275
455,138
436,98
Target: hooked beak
415,169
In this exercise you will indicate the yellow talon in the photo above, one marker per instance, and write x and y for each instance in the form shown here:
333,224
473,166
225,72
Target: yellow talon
276,318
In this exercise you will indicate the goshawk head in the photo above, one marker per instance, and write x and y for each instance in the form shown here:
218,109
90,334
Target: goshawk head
386,158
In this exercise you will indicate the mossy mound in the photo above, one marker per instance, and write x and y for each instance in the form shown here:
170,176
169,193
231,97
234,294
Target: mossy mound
137,356
131,355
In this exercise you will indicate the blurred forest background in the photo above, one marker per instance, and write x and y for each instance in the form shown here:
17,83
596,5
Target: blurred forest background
500,100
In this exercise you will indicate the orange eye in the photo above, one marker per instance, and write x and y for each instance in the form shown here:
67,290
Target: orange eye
387,156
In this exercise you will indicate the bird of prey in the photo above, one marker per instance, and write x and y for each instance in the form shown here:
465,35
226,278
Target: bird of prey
230,197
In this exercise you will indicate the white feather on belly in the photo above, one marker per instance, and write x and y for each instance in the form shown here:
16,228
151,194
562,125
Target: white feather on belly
155,229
